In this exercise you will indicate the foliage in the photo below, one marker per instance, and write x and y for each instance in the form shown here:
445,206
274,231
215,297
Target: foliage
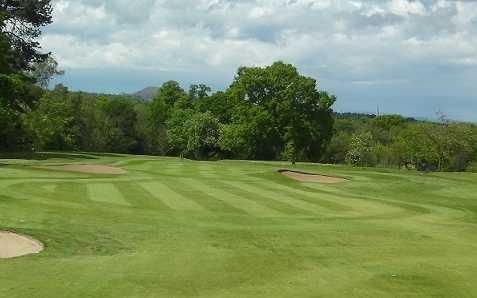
120,127
42,72
287,104
202,133
176,132
13,135
67,120
360,149
394,141
20,24
52,122
290,153
472,167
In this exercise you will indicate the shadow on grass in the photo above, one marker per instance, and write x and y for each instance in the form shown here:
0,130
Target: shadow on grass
44,155
96,154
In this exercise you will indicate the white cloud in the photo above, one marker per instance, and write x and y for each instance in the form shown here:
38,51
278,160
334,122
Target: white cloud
362,42
407,7
164,34
261,12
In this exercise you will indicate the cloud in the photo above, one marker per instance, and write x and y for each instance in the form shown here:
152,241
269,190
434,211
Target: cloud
346,43
406,7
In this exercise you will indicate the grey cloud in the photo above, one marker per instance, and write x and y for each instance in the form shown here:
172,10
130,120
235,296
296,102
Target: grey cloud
389,44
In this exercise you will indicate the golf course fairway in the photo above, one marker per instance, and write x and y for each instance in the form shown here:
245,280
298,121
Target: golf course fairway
165,227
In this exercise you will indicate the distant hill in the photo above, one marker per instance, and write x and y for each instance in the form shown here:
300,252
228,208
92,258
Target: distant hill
146,94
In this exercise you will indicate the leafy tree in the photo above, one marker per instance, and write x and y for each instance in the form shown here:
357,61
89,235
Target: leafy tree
44,71
198,92
152,136
120,126
52,123
91,121
13,134
202,134
387,122
167,96
290,152
457,145
360,150
220,104
299,114
18,92
176,131
250,135
172,92
20,23
338,147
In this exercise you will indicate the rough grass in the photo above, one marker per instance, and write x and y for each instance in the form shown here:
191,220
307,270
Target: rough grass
179,228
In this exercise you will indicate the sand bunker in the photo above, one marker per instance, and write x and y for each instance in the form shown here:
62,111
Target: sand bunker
13,245
90,169
307,177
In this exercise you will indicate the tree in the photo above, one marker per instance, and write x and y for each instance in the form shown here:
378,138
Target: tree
251,134
52,123
220,104
202,134
44,71
163,105
151,134
176,132
298,113
338,147
20,25
360,149
121,125
18,92
387,122
169,93
290,152
13,134
198,92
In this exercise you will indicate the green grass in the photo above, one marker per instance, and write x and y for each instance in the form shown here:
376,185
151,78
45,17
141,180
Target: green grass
179,228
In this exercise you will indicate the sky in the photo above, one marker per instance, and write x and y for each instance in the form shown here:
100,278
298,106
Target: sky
414,58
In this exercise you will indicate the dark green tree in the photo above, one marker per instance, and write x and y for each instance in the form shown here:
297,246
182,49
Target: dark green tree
298,113
202,134
52,123
20,27
120,130
176,131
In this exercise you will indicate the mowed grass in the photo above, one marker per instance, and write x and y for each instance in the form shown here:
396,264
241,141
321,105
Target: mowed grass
180,228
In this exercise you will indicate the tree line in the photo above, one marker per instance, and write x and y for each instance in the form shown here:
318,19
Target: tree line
268,113
396,141
249,120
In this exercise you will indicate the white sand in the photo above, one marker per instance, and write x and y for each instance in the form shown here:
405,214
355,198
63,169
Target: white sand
13,245
90,169
304,177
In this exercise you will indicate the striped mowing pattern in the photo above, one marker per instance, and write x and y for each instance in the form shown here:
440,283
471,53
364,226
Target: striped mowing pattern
106,193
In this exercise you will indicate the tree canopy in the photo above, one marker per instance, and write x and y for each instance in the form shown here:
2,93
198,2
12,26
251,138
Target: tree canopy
20,27
276,107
